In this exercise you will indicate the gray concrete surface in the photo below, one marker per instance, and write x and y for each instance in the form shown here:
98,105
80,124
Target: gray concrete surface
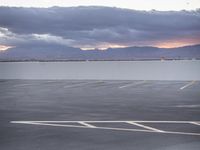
57,100
103,70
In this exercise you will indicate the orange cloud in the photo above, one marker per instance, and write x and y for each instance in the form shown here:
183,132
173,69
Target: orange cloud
177,43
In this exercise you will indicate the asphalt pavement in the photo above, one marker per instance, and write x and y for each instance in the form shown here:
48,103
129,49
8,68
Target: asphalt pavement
99,115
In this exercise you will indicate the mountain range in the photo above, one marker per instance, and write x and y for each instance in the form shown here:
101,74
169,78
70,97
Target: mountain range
59,52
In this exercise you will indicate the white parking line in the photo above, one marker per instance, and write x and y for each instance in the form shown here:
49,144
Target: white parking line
22,85
195,123
79,84
143,126
132,84
85,124
113,121
76,84
49,124
187,85
51,81
187,106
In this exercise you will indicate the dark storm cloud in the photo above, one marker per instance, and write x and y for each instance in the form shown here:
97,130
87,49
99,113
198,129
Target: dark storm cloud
96,25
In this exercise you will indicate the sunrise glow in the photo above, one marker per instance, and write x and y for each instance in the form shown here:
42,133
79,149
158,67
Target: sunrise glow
173,44
104,47
4,47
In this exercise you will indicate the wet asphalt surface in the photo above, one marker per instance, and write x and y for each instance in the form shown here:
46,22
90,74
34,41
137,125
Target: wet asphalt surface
80,100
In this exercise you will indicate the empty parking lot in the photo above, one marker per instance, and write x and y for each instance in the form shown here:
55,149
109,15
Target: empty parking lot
99,114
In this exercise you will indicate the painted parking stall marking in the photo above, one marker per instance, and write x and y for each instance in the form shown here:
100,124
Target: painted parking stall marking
146,127
86,124
22,85
75,84
89,125
80,84
187,85
195,123
132,84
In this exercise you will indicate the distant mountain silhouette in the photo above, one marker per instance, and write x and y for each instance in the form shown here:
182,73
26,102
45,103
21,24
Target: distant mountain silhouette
58,52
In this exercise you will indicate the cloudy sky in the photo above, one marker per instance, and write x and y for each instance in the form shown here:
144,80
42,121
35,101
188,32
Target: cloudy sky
131,4
118,23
